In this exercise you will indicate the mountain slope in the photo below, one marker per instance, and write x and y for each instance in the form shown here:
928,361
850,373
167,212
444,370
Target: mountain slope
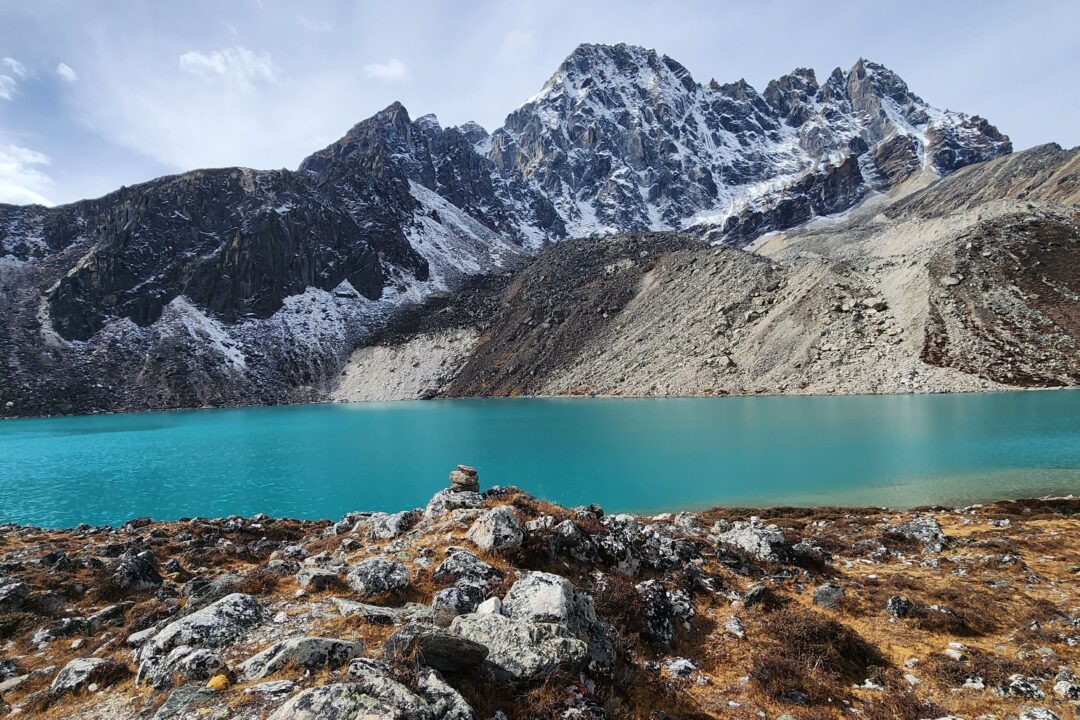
968,284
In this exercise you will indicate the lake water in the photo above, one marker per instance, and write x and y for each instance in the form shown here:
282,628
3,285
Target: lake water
627,455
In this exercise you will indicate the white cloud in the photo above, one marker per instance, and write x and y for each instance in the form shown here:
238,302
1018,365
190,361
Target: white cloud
21,180
15,66
237,65
314,25
7,87
393,70
64,71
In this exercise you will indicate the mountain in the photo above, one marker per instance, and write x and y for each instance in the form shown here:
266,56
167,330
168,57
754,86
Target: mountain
237,285
968,284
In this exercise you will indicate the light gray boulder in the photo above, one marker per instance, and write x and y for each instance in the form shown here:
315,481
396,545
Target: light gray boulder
80,672
450,602
378,576
520,651
186,702
497,530
764,542
316,578
381,615
372,677
446,703
444,501
386,526
215,626
183,664
926,531
541,597
336,701
828,595
309,653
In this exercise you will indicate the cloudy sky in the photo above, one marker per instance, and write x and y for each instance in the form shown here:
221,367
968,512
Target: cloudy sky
94,95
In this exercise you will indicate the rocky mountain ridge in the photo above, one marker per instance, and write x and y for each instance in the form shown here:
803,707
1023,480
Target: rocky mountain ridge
238,285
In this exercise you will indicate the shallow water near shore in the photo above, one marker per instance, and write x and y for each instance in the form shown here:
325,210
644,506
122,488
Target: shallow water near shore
318,461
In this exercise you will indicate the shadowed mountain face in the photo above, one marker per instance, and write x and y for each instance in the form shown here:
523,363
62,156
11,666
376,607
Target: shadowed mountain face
275,276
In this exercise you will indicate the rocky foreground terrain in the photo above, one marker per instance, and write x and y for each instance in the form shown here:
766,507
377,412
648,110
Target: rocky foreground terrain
499,606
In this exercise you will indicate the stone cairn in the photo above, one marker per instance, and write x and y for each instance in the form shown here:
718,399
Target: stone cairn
464,479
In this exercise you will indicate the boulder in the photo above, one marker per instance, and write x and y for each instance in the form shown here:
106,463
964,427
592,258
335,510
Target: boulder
183,664
80,672
926,531
378,576
380,615
435,647
336,701
541,597
317,578
1038,713
184,702
217,625
450,602
309,653
134,572
383,526
497,530
763,542
372,677
13,592
522,651
464,567
828,595
446,703
444,501
659,622
899,606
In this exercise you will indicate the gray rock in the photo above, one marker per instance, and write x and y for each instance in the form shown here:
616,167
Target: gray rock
497,530
109,615
13,592
8,670
317,578
734,627
271,688
309,653
463,566
899,606
183,664
679,668
336,701
659,617
1025,687
764,542
373,678
185,700
444,501
214,626
80,672
380,615
383,526
1038,713
446,703
925,530
431,645
378,576
522,651
450,602
135,572
548,598
828,595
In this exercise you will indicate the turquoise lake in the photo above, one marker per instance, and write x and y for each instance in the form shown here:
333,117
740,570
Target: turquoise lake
320,461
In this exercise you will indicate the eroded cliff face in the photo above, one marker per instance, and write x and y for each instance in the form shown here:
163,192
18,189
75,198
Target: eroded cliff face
237,285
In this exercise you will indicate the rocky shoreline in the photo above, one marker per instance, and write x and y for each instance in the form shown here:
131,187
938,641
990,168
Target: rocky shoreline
496,605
